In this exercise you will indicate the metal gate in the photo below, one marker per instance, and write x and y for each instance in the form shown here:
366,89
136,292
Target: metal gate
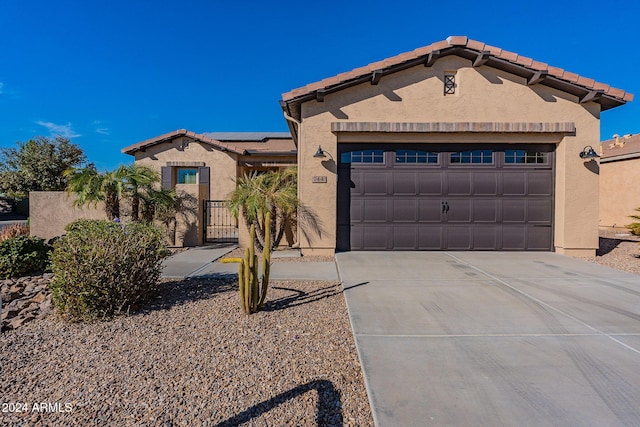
219,224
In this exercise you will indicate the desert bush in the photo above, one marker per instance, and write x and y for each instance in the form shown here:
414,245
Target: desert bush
103,268
634,227
23,255
13,230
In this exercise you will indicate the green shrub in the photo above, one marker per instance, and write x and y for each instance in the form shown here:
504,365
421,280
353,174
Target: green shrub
23,255
103,268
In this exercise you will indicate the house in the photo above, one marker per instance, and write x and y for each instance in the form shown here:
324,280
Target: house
457,145
619,180
203,167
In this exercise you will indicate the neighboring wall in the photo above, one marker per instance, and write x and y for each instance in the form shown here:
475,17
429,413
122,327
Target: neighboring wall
619,192
51,211
483,94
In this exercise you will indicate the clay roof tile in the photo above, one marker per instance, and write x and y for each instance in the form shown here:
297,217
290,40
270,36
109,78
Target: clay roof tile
476,45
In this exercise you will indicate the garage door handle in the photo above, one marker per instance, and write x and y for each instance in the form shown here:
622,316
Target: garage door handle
445,207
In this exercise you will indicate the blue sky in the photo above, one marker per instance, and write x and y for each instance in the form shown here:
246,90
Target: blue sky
108,74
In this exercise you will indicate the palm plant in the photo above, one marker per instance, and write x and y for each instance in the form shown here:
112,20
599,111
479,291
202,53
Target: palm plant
154,200
138,184
259,193
134,182
91,186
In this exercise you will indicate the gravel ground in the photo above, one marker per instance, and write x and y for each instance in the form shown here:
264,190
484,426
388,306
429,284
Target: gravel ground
619,250
191,358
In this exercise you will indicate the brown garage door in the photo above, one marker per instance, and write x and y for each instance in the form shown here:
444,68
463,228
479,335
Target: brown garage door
426,197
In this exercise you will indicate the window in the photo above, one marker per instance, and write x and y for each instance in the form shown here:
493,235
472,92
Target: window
187,176
414,156
472,157
524,156
363,156
449,84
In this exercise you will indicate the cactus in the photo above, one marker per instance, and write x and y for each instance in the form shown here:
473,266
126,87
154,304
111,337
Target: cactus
253,290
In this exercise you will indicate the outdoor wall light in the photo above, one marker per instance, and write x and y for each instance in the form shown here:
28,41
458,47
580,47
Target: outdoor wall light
320,152
588,153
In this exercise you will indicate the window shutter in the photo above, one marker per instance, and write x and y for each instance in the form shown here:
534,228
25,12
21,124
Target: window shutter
203,173
165,173
203,177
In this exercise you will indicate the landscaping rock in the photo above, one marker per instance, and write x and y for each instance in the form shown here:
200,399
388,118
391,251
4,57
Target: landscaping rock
24,299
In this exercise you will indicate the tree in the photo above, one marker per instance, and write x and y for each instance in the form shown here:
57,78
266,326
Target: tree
256,194
38,165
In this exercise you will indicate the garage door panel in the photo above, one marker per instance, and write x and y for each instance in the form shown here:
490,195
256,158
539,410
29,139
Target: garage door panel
404,183
514,184
459,210
356,186
459,183
405,210
539,238
485,183
355,233
430,183
540,211
430,210
459,238
430,237
356,210
486,237
514,210
375,184
374,210
375,237
540,183
405,238
485,210
514,238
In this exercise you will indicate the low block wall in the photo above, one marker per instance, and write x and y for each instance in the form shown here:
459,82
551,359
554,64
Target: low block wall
51,211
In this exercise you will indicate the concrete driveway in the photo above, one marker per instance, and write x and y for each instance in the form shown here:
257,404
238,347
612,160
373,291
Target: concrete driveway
486,338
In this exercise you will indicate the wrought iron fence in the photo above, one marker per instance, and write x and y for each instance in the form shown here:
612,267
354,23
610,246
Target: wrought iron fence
219,224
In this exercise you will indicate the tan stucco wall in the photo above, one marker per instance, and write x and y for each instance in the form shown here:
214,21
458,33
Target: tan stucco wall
189,226
483,94
51,211
619,192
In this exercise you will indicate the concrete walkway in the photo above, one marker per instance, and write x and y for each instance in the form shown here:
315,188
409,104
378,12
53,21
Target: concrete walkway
191,262
204,261
486,338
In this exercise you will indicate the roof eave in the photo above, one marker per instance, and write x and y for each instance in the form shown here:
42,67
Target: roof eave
607,101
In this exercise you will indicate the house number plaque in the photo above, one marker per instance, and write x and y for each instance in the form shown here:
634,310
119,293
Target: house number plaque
319,179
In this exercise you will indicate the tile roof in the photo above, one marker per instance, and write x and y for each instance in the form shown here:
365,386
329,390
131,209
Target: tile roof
463,46
620,148
243,143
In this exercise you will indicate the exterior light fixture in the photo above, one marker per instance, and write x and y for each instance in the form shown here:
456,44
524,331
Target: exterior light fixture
320,152
588,153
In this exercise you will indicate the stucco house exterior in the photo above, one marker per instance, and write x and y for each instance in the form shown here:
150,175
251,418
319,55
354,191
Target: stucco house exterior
203,167
619,180
457,145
